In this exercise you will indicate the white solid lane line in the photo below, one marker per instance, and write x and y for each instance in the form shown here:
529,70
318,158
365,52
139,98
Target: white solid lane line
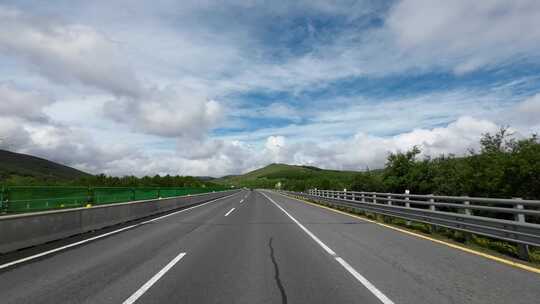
316,239
137,294
364,281
381,296
227,214
35,256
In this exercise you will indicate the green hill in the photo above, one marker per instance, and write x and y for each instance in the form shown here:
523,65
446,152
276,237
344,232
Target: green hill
16,166
290,177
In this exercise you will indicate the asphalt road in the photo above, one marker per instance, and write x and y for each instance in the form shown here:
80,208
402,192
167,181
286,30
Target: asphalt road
268,249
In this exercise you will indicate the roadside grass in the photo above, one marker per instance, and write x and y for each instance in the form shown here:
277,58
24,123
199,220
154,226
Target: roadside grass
472,241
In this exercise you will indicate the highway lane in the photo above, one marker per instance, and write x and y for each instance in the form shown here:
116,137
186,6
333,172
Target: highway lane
107,270
257,255
238,250
414,270
246,249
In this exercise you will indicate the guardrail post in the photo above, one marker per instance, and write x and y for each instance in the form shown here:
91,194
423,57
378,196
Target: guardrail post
523,249
353,197
388,219
432,228
407,205
374,201
466,211
432,204
363,197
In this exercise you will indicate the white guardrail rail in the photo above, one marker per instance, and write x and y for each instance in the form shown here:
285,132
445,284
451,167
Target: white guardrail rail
514,220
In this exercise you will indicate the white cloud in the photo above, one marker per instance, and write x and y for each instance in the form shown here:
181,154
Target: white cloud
280,110
27,105
528,111
66,52
275,145
26,127
466,35
167,113
162,71
362,151
344,117
12,136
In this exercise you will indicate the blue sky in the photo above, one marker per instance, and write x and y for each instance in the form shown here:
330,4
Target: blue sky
223,87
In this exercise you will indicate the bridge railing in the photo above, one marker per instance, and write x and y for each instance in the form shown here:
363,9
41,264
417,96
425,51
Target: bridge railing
514,220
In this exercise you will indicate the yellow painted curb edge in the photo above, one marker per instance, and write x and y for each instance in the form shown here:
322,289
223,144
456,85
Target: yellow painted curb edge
485,255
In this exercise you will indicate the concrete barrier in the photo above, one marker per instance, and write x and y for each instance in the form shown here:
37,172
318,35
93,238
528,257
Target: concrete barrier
30,229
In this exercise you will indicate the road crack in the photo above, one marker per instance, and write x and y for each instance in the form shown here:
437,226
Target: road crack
276,273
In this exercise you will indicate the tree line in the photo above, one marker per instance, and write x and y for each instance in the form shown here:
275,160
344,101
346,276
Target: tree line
503,167
102,180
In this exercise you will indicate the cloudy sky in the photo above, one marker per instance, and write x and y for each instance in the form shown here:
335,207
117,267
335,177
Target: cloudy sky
221,87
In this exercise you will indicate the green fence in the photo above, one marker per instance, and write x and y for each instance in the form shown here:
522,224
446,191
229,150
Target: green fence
28,199
107,195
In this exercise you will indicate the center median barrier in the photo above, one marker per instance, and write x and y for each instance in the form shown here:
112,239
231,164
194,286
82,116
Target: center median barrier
30,229
32,199
23,199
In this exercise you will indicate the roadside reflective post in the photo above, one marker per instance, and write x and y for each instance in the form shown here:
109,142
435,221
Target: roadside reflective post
407,204
523,249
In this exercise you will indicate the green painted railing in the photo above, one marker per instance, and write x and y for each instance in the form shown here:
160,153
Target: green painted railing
28,199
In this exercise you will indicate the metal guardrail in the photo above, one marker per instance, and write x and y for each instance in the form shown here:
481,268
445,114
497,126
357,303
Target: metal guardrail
513,220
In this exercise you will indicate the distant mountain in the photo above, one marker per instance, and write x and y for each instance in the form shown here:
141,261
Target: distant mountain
288,175
23,165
